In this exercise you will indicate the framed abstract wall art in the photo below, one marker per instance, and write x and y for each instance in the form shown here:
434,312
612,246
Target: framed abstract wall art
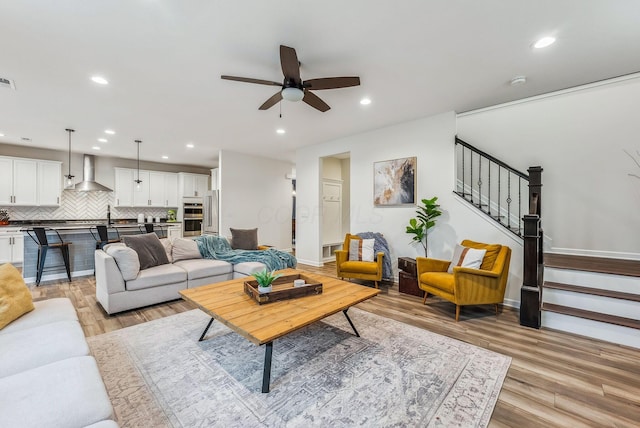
394,182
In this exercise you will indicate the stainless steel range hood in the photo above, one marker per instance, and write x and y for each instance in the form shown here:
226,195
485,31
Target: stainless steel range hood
89,183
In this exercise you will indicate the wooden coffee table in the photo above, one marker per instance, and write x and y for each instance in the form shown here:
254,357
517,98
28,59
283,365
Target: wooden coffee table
262,324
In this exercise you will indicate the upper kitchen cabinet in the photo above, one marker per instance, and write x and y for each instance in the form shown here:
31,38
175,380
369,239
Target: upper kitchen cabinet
193,185
157,188
49,183
29,182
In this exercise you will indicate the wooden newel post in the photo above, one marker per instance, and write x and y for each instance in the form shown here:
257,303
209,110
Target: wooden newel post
530,291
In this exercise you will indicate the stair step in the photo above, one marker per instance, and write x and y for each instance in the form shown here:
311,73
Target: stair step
593,264
593,291
590,315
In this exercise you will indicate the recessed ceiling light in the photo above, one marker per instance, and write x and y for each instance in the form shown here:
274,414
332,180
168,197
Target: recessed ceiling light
100,80
109,131
365,101
518,80
165,157
280,131
103,140
95,148
1,134
544,42
190,146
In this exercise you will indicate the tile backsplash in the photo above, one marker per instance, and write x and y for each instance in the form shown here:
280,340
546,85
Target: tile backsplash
82,206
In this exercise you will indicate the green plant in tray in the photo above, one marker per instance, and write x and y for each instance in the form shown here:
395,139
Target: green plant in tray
266,278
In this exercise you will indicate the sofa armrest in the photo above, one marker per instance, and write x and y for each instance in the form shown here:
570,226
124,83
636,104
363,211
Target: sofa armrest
478,272
108,276
424,264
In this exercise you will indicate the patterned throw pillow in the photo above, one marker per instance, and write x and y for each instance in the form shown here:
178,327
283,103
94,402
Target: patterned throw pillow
466,257
361,250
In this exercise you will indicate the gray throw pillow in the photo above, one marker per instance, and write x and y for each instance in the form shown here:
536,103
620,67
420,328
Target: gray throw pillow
126,259
149,248
244,239
185,249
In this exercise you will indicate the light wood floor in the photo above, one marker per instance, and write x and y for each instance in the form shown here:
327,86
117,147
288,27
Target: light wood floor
556,379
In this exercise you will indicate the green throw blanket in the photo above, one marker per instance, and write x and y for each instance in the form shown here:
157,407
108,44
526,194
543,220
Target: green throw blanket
218,248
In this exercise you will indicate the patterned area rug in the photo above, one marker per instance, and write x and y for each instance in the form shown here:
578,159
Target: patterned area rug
159,375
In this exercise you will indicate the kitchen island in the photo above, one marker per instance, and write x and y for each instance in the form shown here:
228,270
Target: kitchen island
82,248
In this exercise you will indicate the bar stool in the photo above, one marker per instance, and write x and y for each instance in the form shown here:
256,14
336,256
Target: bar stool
150,228
39,236
101,234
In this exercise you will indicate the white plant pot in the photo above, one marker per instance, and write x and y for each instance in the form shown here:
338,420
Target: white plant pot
264,289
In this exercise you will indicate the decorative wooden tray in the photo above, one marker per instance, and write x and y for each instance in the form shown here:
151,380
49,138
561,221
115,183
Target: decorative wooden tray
283,289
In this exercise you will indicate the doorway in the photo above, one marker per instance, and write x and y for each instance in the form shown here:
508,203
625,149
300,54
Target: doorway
335,201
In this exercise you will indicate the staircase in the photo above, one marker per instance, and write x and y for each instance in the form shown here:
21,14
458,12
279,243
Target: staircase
593,296
496,189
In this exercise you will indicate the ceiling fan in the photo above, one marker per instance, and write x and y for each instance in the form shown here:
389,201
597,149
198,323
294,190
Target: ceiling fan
293,87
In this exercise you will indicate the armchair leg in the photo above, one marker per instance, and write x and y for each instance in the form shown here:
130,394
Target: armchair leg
424,301
376,284
457,312
496,309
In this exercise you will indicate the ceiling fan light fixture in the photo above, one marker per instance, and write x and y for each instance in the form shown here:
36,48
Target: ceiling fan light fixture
292,94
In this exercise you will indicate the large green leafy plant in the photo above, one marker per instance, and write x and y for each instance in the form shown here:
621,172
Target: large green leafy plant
426,219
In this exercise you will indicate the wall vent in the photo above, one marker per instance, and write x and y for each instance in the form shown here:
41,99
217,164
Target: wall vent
7,83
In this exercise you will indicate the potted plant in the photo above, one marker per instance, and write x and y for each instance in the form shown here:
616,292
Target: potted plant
419,227
4,216
265,279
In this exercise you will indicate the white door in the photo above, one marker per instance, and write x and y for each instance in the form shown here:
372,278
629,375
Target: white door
17,248
25,182
6,181
187,184
123,187
141,190
49,183
6,250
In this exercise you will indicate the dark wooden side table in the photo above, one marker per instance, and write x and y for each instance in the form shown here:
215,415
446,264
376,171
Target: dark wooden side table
409,276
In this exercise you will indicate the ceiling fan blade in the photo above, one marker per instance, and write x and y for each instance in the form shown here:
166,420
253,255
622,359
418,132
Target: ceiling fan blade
275,99
250,80
331,83
314,101
289,63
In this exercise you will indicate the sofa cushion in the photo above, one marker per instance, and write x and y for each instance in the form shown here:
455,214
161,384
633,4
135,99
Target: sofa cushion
126,258
202,268
15,297
38,346
149,248
466,257
168,247
359,267
185,249
67,393
46,311
440,280
244,239
491,255
157,275
248,268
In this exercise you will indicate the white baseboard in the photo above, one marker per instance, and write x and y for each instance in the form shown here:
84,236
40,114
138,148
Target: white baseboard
58,276
310,263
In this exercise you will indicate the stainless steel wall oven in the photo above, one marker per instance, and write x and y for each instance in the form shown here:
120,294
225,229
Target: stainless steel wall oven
192,218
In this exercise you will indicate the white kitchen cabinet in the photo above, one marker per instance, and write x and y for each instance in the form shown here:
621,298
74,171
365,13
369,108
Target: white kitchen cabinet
29,182
123,187
193,185
157,188
11,245
49,183
174,231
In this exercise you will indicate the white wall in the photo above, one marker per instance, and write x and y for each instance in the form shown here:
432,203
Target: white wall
255,193
431,140
590,203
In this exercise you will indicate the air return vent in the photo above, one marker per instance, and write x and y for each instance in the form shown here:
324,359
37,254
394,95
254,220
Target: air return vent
7,83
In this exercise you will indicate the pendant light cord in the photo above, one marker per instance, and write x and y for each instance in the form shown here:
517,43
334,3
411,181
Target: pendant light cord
138,143
69,130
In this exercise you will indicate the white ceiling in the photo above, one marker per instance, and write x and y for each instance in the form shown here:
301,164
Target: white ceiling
164,59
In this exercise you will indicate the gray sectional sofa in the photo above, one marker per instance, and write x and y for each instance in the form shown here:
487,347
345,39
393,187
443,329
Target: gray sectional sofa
123,282
47,377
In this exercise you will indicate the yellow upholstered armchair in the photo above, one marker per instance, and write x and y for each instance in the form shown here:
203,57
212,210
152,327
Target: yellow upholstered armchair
346,268
467,286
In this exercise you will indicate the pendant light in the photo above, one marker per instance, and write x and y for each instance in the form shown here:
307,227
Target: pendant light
138,181
68,184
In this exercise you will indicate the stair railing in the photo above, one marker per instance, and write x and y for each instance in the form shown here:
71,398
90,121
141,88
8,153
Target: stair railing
491,185
533,264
